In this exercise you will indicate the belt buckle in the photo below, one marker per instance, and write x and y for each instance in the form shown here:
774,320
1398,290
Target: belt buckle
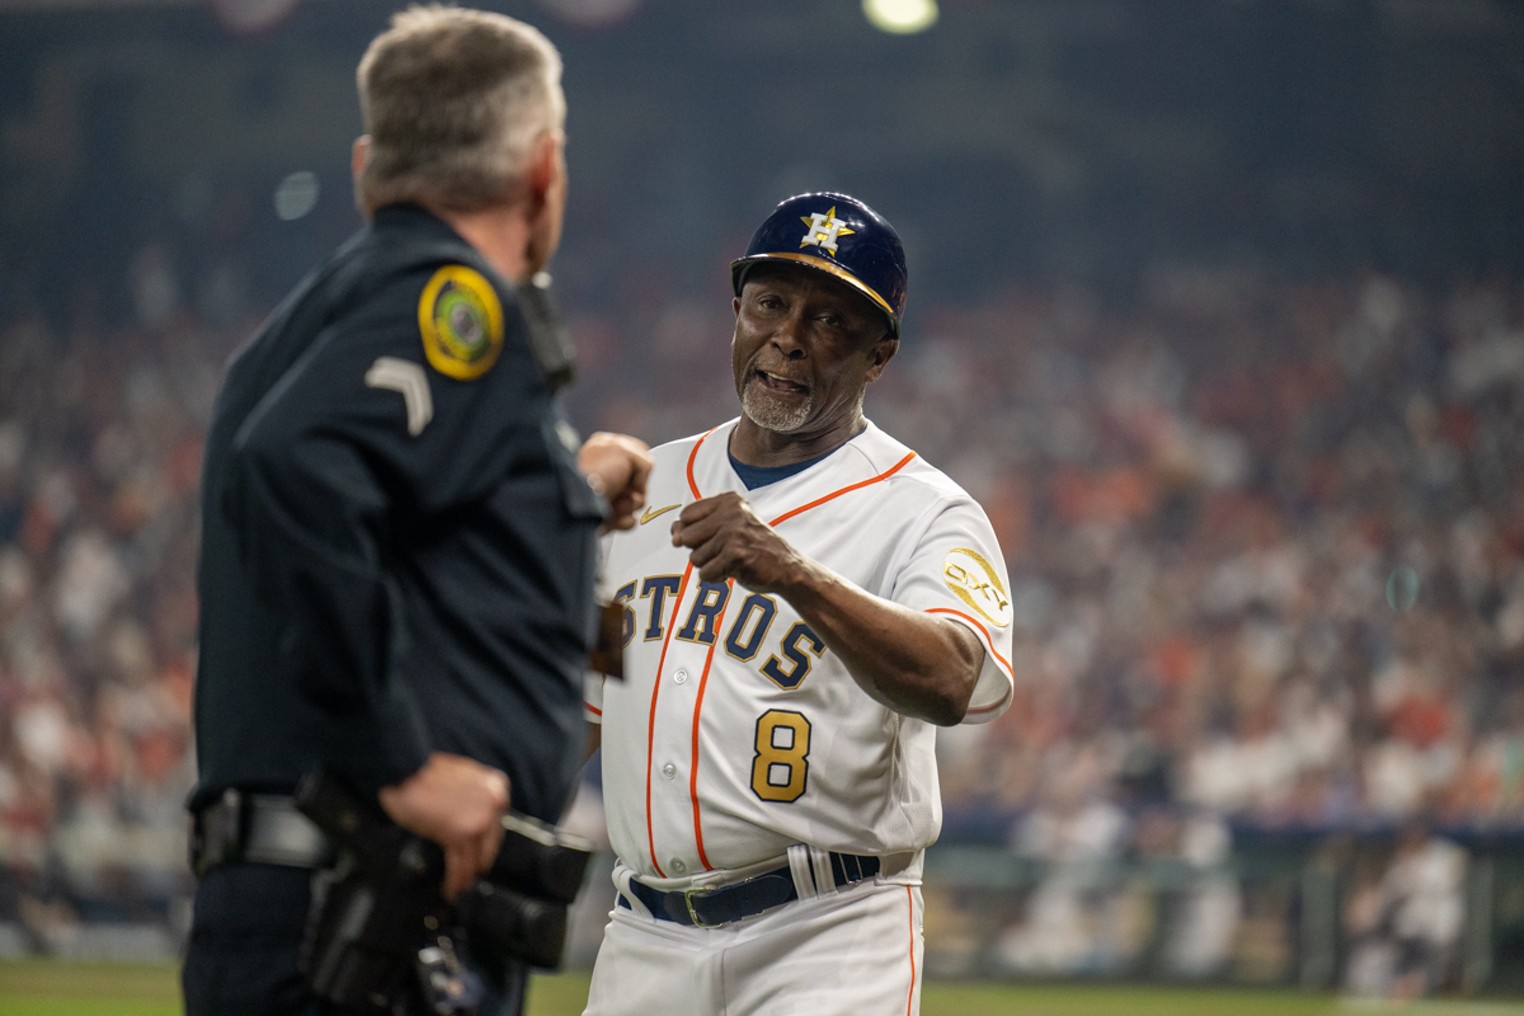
698,922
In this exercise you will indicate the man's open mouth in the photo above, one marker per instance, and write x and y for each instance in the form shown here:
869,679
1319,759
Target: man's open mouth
781,385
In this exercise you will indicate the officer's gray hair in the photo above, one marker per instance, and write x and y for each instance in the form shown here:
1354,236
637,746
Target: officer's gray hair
453,100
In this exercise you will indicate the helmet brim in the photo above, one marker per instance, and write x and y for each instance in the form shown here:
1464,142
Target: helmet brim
739,266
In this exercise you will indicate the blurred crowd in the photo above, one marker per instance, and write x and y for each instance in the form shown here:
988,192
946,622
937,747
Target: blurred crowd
1265,538
100,439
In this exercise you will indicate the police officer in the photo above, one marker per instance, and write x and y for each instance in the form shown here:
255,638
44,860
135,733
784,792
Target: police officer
398,524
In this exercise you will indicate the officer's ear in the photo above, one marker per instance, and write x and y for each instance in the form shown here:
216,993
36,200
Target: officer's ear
547,168
546,200
359,153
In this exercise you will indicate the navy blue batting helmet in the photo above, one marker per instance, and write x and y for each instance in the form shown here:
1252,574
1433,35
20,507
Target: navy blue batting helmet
839,235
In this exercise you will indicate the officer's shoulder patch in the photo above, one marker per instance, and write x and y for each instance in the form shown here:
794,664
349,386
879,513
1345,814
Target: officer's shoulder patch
977,584
461,319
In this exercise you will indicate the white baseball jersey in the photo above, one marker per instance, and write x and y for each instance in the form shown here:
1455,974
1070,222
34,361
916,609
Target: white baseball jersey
735,732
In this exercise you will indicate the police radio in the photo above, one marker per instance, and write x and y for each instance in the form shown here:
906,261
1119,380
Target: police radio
548,338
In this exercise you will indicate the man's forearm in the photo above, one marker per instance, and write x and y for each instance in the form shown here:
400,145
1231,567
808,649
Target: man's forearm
913,663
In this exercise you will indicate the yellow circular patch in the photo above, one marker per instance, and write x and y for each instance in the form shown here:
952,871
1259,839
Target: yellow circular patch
461,319
970,576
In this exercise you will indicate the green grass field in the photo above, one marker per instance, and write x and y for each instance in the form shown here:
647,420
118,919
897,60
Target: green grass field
50,988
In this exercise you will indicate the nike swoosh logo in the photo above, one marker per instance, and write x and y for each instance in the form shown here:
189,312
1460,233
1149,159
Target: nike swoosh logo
651,513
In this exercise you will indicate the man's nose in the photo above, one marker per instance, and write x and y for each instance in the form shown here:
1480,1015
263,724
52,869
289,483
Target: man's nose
789,335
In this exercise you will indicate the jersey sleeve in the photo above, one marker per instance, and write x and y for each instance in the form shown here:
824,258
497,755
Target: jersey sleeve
956,570
366,435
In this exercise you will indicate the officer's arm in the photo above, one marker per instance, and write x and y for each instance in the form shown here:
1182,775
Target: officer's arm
313,489
312,522
361,444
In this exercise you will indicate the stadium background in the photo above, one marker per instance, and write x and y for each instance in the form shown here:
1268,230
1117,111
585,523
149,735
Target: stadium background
1215,304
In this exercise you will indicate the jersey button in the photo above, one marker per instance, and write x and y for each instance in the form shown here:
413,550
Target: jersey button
680,676
669,771
677,865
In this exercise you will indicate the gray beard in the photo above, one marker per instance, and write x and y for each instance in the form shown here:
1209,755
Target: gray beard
773,414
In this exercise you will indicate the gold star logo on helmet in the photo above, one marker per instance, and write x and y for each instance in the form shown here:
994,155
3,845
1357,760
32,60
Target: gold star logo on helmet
824,230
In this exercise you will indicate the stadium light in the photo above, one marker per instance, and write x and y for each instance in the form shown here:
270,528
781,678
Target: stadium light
901,17
296,195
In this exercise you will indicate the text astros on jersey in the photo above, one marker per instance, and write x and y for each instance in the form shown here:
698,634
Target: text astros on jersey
821,763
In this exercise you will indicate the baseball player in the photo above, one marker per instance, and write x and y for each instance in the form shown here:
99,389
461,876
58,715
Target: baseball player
805,600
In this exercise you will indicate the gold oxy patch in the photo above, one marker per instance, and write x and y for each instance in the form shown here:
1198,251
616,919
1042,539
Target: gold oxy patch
977,584
461,319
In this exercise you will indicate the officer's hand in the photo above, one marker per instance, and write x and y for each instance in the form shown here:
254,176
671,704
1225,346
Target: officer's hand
730,541
618,467
458,803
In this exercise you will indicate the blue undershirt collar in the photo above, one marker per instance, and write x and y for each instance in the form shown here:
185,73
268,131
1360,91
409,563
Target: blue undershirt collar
761,476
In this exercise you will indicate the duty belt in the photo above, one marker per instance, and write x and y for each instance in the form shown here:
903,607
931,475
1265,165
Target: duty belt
246,828
708,908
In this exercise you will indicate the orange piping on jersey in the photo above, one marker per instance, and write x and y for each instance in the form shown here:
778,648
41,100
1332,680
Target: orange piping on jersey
661,664
990,709
989,644
692,456
844,490
592,709
698,705
910,996
693,483
1005,663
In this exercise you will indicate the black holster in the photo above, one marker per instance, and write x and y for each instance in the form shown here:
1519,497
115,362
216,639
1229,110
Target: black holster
380,937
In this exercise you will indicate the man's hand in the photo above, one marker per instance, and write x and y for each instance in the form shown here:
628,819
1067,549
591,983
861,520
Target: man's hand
618,467
457,803
913,662
730,541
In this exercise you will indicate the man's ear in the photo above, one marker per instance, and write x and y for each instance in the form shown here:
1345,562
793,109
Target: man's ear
883,351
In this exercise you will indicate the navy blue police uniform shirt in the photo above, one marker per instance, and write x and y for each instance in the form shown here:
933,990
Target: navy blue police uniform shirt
398,549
